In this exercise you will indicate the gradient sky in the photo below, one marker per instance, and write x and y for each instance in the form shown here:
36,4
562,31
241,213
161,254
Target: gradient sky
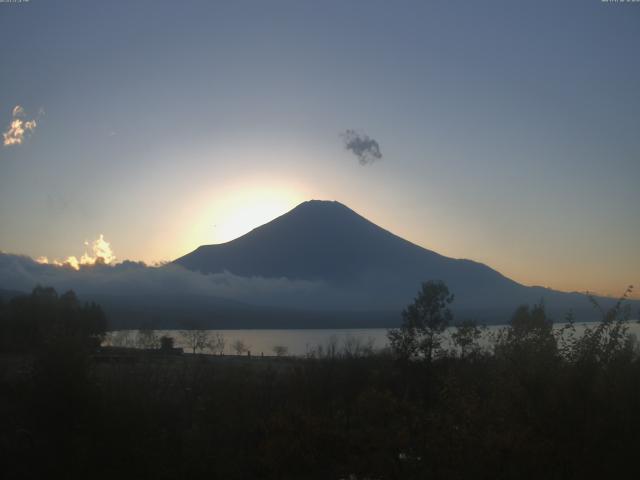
509,130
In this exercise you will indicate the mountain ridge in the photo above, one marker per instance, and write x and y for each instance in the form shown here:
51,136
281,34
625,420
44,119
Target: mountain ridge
326,241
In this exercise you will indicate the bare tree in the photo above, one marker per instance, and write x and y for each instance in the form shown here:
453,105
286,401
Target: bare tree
239,347
328,350
355,347
217,343
196,339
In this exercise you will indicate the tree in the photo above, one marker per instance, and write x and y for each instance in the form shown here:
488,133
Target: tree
196,339
466,337
147,338
354,347
423,323
239,347
529,335
217,343
527,323
166,343
30,322
609,339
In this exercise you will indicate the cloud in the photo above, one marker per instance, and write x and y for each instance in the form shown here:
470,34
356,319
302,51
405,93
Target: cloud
18,111
128,278
96,275
362,146
18,128
102,254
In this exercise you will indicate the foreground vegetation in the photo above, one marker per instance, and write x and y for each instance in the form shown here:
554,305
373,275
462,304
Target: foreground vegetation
539,404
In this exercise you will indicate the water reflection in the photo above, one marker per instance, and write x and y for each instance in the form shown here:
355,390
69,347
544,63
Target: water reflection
301,342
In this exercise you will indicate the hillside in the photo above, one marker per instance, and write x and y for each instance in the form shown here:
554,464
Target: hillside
366,267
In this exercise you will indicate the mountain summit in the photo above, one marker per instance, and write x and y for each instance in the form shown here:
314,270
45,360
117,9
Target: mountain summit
327,241
317,240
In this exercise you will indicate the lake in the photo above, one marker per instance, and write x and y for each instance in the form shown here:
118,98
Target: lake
300,342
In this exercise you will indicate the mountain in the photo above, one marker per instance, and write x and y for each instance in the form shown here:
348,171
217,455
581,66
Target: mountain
365,267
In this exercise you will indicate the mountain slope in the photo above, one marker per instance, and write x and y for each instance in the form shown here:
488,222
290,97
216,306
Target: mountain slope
371,267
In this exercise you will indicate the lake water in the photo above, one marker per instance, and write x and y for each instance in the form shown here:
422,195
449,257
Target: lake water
300,342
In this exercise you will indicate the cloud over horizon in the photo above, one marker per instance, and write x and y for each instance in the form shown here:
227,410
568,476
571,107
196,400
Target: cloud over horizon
365,148
102,254
129,278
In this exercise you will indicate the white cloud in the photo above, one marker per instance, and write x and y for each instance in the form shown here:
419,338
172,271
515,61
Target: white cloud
18,128
101,254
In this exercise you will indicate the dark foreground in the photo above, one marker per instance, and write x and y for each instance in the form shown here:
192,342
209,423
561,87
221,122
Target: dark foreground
185,417
534,407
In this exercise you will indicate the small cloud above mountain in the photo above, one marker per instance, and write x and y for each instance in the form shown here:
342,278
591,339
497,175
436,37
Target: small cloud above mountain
365,148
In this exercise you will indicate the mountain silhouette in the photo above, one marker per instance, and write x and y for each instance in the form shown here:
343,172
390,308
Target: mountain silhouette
321,265
370,267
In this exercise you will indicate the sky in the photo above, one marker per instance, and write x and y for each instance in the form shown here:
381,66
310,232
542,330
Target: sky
504,132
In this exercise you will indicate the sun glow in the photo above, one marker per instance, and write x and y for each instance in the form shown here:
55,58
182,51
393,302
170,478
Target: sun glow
243,214
240,209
